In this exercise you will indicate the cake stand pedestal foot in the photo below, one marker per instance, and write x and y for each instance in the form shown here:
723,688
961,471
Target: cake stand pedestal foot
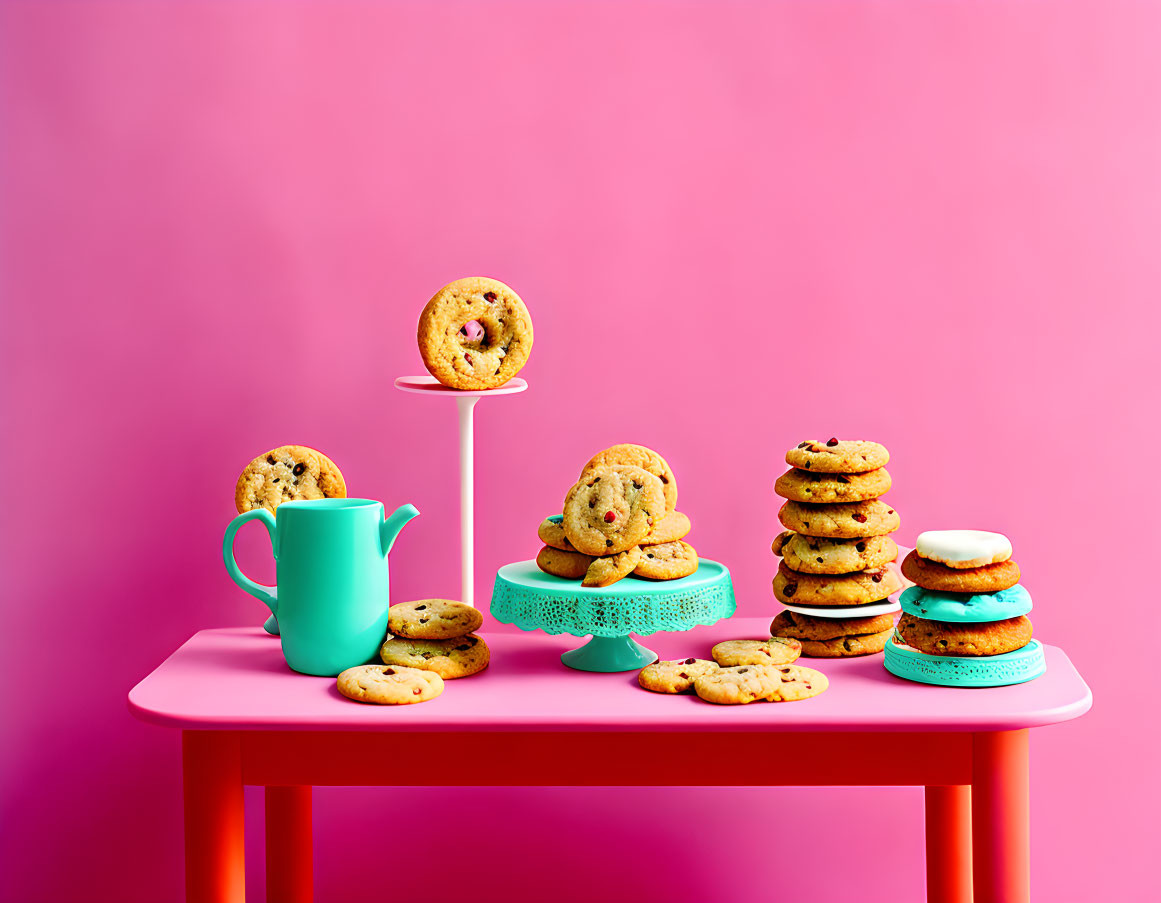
604,653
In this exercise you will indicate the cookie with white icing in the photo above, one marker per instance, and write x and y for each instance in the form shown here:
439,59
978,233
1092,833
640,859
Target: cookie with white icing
963,548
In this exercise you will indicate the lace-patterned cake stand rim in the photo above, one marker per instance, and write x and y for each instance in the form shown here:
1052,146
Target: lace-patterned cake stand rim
1021,666
529,599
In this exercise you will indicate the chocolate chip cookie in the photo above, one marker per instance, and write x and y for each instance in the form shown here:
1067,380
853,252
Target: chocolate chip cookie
813,555
859,588
608,569
808,486
990,578
569,565
667,561
838,456
672,527
774,651
846,520
432,619
847,646
772,683
389,685
289,473
638,456
475,334
945,638
805,627
674,677
612,509
551,533
450,659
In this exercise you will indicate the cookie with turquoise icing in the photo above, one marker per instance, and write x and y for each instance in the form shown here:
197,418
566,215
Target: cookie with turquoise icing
966,608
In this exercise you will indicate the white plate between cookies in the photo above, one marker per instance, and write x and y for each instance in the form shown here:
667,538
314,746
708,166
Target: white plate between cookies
846,611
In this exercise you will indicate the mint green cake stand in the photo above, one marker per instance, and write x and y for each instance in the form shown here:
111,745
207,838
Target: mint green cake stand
530,599
965,670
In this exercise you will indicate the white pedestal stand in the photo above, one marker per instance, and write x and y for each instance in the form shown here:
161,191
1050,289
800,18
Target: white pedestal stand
465,406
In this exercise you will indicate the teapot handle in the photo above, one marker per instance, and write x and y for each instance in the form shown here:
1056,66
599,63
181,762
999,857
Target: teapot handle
267,595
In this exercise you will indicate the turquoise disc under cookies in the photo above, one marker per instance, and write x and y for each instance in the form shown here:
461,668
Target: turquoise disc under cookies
1016,667
966,608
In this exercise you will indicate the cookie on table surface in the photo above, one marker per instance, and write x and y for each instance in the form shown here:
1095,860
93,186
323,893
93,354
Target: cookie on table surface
808,486
945,638
461,657
638,456
987,579
805,627
845,520
774,651
567,565
672,527
847,646
551,533
859,588
612,509
389,685
771,683
674,677
814,555
608,569
667,561
475,334
838,456
432,619
963,548
289,473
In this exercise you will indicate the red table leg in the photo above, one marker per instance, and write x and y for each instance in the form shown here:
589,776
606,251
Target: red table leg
949,843
214,839
289,854
1000,844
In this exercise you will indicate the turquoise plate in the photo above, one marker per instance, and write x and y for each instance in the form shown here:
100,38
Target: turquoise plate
963,670
966,608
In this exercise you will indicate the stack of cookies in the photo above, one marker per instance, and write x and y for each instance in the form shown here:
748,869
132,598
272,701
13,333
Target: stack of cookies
967,602
428,641
742,671
619,518
835,575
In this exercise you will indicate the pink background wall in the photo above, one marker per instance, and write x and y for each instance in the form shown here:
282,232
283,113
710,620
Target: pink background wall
736,225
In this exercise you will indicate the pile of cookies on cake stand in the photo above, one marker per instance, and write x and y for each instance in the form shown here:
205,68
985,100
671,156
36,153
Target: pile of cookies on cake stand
620,518
836,574
965,622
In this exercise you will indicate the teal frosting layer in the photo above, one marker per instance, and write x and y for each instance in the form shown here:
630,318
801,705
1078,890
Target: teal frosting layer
966,608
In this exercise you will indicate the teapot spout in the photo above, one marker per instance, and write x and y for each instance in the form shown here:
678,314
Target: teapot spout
390,528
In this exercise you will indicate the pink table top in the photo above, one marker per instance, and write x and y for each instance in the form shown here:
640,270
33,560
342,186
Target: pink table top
236,679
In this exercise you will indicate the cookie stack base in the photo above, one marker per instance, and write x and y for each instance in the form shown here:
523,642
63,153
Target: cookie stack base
1025,664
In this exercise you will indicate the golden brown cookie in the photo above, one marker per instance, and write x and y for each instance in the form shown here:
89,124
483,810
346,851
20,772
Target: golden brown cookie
475,334
551,533
991,578
813,555
772,683
638,456
808,486
846,520
612,509
838,456
608,569
289,473
389,685
859,588
569,565
461,657
774,651
945,638
432,619
847,646
805,627
667,561
672,527
674,677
